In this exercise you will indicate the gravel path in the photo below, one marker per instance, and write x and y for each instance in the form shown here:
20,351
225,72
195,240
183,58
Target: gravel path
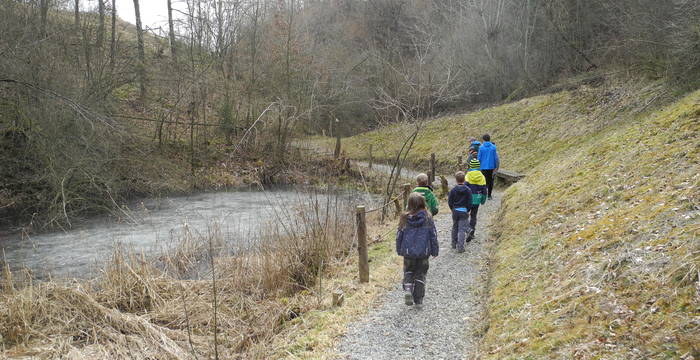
443,328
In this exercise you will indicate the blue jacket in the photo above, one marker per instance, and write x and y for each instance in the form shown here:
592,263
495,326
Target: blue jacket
418,239
488,156
460,197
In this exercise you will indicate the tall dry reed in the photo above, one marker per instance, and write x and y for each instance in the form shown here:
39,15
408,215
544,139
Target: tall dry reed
135,309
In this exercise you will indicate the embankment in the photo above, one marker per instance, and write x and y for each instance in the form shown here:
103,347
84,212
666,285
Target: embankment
597,253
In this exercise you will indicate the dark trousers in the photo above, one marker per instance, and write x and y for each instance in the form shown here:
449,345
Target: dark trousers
488,174
414,271
460,227
472,216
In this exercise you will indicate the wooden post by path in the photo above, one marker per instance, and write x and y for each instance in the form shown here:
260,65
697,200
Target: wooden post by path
443,184
431,177
370,156
459,163
406,192
336,153
362,244
338,298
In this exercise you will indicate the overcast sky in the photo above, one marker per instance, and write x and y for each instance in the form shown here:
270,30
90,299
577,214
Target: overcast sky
154,13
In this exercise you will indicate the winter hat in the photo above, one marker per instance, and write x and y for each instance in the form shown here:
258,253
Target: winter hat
474,164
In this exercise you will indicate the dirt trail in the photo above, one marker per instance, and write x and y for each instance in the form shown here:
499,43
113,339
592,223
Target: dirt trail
444,328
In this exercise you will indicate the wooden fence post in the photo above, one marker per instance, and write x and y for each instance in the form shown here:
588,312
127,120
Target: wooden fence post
362,244
431,178
459,163
443,184
406,193
370,156
338,298
336,153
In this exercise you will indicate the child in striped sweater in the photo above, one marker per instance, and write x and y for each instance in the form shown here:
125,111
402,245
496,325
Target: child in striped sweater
477,184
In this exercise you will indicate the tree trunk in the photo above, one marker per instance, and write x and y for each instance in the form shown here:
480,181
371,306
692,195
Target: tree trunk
76,10
113,43
253,51
289,51
142,53
44,10
101,24
85,36
220,29
171,29
78,30
200,28
193,107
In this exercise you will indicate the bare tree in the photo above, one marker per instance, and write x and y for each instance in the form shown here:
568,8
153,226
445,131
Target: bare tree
171,32
142,53
288,50
76,14
44,10
100,24
113,41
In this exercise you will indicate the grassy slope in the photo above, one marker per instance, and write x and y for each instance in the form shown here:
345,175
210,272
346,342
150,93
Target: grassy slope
598,252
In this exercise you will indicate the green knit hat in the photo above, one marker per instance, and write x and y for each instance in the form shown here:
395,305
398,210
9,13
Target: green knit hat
474,164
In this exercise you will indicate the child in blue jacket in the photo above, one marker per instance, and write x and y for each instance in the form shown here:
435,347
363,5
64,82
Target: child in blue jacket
416,241
460,202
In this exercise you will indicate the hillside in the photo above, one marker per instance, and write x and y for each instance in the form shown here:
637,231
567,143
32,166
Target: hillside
597,253
77,139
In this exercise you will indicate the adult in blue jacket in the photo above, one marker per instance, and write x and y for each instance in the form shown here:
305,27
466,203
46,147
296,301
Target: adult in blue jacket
488,157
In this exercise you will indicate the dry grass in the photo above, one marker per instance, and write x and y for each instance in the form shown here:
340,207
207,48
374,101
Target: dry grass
270,295
598,249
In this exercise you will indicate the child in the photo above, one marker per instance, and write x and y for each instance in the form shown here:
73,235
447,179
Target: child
477,184
460,201
473,153
473,150
424,189
416,240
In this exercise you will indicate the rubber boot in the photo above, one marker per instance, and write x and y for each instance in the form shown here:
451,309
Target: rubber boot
470,237
408,294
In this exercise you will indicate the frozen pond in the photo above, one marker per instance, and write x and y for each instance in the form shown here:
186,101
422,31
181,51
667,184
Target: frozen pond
154,225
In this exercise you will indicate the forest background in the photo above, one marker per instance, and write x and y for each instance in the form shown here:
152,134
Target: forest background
95,111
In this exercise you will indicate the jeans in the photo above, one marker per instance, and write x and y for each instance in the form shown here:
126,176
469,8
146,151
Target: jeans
488,174
414,271
460,227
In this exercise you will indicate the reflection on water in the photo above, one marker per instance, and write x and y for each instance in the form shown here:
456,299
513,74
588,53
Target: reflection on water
156,225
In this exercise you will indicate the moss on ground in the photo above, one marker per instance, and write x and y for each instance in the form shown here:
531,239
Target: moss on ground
598,248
